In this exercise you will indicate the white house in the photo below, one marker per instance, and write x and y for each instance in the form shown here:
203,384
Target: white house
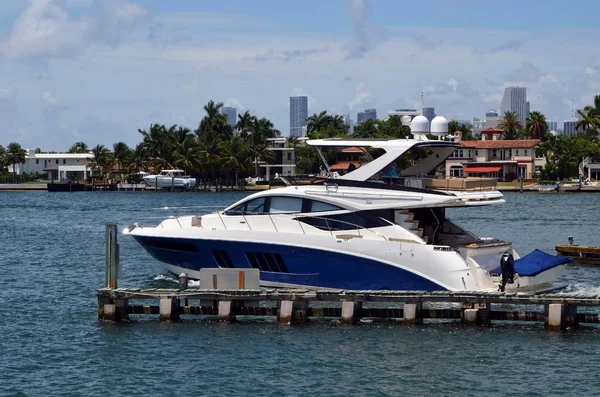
285,157
58,166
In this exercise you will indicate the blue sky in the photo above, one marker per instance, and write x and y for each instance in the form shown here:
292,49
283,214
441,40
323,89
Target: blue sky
97,70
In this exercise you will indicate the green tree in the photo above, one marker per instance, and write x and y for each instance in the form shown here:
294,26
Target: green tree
233,155
317,122
244,124
366,129
511,125
392,128
101,160
3,160
121,154
536,126
14,155
139,159
466,130
79,147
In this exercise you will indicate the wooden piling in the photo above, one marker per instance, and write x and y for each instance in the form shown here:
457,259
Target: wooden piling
111,257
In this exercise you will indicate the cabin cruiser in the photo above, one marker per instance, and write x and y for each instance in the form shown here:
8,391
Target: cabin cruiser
170,179
361,230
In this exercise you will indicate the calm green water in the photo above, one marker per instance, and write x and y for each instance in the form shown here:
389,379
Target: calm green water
52,344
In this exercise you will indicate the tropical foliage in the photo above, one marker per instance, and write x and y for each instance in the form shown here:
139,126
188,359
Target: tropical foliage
536,127
511,125
214,149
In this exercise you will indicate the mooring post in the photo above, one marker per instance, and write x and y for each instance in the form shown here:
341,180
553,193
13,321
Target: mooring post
475,313
560,316
292,312
226,311
169,309
412,312
351,312
112,257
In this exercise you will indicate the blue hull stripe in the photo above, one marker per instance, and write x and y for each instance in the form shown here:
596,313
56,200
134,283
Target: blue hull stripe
306,266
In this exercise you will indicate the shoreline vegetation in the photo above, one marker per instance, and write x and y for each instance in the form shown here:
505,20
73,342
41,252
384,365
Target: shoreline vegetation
216,153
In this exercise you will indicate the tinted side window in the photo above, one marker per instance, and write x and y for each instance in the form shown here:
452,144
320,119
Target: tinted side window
350,221
252,207
319,206
285,205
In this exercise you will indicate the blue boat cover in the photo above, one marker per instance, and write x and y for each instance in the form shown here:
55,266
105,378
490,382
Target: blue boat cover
535,262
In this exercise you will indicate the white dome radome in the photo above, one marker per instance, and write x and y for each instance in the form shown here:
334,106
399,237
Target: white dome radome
419,125
439,126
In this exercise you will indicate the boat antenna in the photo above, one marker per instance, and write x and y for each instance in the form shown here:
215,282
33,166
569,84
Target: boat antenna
422,103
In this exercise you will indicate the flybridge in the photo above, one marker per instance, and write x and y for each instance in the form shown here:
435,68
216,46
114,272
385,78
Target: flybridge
394,150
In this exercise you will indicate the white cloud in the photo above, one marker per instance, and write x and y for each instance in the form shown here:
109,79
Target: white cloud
297,91
49,98
46,30
361,98
235,103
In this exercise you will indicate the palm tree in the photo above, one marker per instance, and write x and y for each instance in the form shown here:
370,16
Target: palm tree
511,125
213,109
317,122
101,159
79,147
138,160
187,154
244,124
15,154
121,152
536,127
366,129
233,155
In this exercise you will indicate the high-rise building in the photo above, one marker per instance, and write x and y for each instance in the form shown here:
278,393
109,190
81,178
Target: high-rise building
368,114
429,113
515,100
231,114
527,111
552,125
570,127
491,113
349,122
298,114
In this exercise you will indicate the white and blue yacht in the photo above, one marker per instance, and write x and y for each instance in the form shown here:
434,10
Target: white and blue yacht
355,231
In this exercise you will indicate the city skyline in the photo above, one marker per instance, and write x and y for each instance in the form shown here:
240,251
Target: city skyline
98,71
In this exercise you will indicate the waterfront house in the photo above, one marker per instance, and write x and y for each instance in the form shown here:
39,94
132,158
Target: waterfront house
58,166
590,168
495,157
347,159
284,162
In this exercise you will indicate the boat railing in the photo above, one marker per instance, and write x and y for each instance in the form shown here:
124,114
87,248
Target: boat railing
330,223
454,184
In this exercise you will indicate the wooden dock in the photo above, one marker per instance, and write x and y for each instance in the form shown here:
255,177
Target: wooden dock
557,311
580,253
